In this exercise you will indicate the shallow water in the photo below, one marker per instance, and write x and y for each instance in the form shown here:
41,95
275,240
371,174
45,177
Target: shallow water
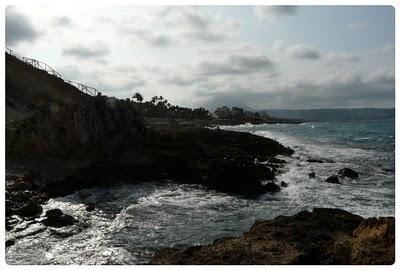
131,221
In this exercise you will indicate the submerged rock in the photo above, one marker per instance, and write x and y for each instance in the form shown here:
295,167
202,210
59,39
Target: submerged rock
90,207
347,172
30,209
323,236
284,184
276,160
9,243
313,160
56,218
333,179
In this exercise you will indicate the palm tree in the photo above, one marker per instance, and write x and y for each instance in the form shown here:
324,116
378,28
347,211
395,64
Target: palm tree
138,97
154,99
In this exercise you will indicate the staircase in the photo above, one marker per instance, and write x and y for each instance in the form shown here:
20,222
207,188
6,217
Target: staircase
43,66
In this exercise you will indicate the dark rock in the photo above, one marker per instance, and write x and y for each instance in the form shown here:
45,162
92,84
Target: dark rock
90,207
323,236
238,176
56,218
54,213
312,160
284,184
333,179
311,175
30,209
271,187
276,160
9,243
347,172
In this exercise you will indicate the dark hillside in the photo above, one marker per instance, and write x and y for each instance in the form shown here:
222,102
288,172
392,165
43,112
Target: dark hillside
29,88
50,119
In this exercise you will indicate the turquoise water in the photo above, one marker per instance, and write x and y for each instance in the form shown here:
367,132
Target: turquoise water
377,136
132,221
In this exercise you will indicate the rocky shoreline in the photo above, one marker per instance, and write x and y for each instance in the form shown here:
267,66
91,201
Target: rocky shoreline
323,236
59,141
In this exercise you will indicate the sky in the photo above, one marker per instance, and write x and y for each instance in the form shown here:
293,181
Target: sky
256,57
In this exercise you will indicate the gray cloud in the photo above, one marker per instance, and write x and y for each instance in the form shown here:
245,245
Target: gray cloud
19,28
148,36
181,81
61,21
303,51
266,12
236,64
340,57
205,36
82,52
300,50
340,90
184,25
157,40
381,76
196,20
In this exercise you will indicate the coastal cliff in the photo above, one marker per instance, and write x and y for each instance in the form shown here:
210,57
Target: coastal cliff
59,140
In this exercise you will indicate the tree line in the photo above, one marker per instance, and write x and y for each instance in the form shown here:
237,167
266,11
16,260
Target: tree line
158,106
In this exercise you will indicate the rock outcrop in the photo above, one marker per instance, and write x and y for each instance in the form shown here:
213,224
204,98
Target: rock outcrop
56,218
347,172
323,236
333,179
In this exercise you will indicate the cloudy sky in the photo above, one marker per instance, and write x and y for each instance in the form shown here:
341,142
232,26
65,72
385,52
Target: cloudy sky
264,57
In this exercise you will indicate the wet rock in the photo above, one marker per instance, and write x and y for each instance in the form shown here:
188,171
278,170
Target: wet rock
30,209
56,218
284,184
90,207
66,232
323,236
374,242
9,243
237,176
313,160
311,175
276,160
271,187
333,179
347,172
32,229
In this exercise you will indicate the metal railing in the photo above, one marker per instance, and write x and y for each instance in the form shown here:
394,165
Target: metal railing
84,88
89,90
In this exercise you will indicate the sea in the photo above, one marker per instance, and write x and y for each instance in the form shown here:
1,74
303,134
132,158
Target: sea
132,221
